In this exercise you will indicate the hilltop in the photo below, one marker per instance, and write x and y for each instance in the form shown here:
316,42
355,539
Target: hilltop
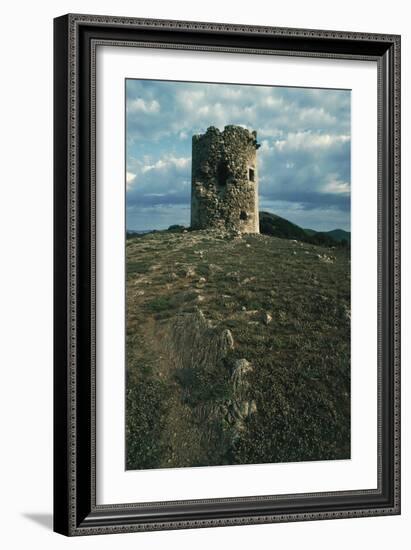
238,349
271,224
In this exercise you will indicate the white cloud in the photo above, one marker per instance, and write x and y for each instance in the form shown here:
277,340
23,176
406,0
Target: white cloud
166,163
130,178
140,105
172,108
309,140
269,133
190,98
181,162
273,102
316,115
167,178
336,186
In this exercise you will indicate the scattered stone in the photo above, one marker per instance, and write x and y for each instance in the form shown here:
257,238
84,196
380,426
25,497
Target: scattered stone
186,296
202,280
253,407
243,308
241,367
188,272
227,341
266,317
244,408
326,259
233,275
212,268
238,409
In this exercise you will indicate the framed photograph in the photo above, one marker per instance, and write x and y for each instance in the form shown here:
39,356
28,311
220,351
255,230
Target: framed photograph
227,278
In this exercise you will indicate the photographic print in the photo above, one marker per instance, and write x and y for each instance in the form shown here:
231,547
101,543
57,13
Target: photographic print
237,274
225,353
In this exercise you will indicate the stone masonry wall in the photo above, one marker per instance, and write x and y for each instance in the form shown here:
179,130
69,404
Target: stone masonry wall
224,186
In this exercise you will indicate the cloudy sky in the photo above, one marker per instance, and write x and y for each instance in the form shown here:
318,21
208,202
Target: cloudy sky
304,158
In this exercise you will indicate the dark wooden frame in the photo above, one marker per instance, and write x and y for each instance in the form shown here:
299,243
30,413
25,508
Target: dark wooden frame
75,40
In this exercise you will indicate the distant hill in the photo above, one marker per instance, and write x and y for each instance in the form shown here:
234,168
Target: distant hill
271,224
338,235
138,231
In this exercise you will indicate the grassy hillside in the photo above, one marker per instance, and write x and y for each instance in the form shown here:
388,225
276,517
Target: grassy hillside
238,350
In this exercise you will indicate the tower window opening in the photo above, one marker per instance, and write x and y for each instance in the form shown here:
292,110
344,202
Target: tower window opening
243,215
251,174
222,174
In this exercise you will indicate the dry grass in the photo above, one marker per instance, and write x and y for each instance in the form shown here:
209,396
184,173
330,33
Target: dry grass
286,304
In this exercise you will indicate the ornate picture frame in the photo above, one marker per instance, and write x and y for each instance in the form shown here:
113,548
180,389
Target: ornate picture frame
76,40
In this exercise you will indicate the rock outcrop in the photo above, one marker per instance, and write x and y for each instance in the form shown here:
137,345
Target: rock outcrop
196,347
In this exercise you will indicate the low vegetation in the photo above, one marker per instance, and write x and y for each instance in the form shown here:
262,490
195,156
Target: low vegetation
238,349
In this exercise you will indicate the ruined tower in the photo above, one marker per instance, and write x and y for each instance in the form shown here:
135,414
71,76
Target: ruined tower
224,181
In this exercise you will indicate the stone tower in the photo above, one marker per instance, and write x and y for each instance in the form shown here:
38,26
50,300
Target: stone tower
224,181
